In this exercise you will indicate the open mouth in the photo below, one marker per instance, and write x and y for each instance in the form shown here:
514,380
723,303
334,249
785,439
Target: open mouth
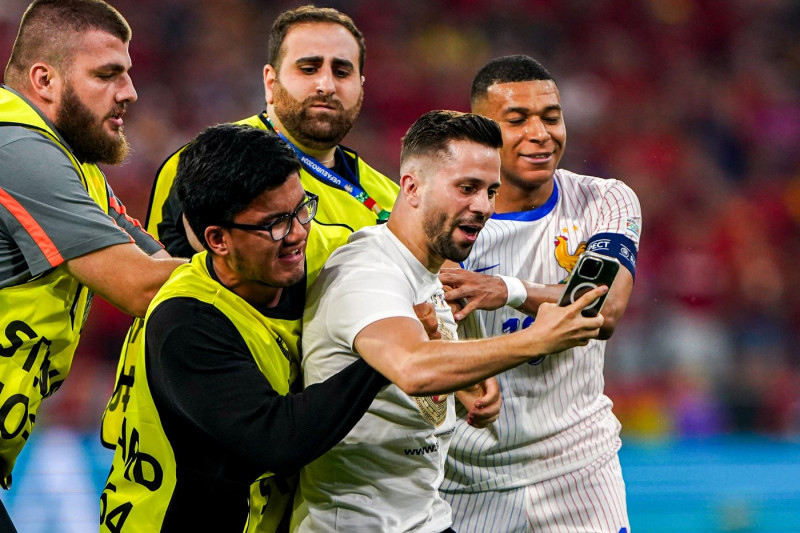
294,255
116,118
470,231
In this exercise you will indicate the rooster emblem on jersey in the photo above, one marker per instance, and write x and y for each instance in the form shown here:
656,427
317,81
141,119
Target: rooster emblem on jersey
565,259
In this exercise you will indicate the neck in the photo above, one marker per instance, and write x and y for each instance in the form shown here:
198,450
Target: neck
326,156
512,199
256,294
416,242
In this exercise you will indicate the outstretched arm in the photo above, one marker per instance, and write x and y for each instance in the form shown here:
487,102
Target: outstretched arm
399,349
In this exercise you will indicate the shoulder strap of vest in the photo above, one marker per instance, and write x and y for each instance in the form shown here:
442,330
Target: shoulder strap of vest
13,105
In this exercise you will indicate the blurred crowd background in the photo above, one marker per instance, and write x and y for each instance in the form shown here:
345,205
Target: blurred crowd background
693,103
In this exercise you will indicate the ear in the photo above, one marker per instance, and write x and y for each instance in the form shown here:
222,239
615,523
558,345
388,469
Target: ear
45,82
270,75
410,188
216,239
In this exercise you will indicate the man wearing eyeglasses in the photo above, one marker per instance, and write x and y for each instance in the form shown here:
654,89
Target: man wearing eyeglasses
213,408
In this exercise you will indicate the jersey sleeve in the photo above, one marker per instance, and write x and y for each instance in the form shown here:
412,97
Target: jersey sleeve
359,297
132,226
618,229
209,389
44,208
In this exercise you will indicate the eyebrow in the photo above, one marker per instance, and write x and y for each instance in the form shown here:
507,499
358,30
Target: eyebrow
273,216
474,180
337,62
526,110
309,59
109,67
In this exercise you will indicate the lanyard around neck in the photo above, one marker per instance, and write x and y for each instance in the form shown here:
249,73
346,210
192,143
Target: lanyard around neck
327,175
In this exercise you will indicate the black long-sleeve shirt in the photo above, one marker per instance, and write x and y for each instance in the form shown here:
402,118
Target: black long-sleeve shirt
225,422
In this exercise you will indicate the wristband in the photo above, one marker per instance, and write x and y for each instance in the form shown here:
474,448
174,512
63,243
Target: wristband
517,293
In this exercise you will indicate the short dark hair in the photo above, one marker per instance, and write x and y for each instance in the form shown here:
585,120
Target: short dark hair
433,132
507,69
224,168
305,14
48,31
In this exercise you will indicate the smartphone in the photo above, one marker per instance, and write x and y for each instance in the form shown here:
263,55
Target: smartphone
591,271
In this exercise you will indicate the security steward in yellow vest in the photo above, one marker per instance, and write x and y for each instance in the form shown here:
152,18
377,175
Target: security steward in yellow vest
212,412
53,208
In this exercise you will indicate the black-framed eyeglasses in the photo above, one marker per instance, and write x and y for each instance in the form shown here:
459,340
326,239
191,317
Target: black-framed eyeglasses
281,226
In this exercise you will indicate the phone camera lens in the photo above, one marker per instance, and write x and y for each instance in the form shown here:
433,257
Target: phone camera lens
590,268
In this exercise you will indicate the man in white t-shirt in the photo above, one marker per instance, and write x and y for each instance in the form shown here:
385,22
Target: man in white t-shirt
549,463
385,475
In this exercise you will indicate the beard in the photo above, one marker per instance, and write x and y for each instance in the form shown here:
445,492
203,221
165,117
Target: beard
312,130
441,239
84,132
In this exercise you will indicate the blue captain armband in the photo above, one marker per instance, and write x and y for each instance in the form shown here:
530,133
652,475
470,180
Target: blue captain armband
615,245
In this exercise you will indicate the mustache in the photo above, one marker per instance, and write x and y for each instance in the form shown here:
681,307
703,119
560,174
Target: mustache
471,220
323,100
119,109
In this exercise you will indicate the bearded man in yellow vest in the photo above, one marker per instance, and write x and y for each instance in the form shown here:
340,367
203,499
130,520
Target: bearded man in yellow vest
313,87
63,233
212,410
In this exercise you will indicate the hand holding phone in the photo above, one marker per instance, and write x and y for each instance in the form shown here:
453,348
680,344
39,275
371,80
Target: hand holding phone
591,270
